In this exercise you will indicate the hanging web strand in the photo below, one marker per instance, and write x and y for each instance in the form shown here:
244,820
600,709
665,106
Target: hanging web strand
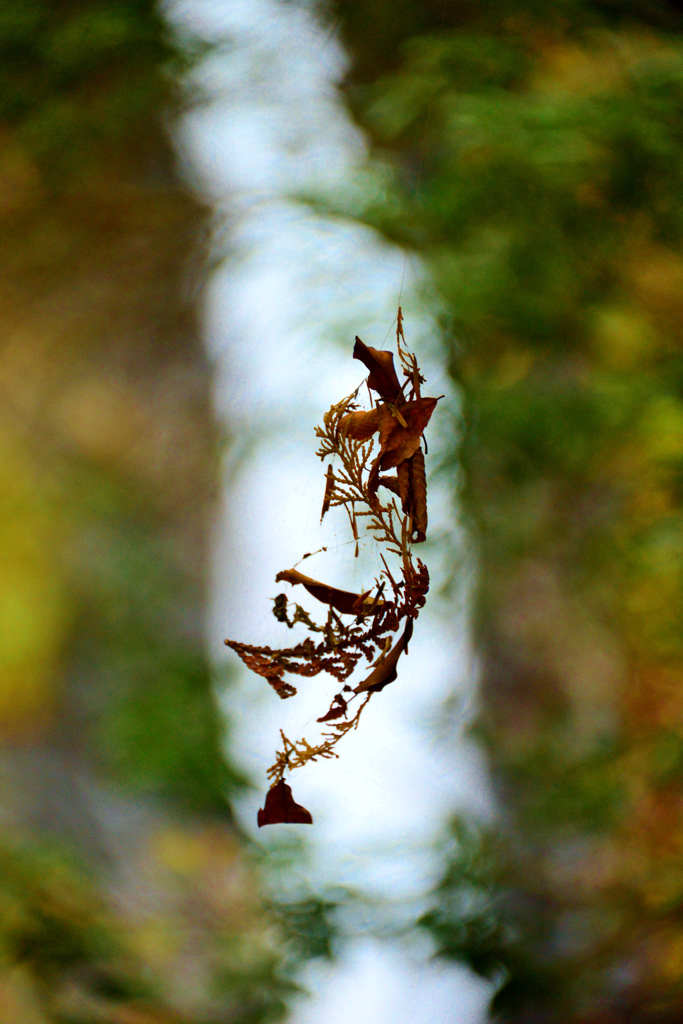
420,167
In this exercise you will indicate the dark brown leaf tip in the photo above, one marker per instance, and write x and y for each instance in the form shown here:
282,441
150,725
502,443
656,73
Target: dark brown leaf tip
382,377
281,808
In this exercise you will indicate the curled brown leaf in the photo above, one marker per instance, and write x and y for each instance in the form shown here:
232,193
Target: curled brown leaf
397,442
382,377
410,485
391,483
404,480
385,671
329,488
363,424
337,709
418,487
342,600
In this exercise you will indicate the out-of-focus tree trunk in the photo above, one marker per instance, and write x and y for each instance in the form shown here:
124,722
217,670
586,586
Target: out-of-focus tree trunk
124,892
547,142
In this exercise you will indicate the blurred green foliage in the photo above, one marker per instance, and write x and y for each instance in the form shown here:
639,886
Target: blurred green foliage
308,925
76,77
532,156
126,890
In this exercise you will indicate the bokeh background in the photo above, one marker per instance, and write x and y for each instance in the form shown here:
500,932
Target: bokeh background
200,205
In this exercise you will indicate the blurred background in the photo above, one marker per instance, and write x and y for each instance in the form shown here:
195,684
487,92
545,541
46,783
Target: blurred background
200,206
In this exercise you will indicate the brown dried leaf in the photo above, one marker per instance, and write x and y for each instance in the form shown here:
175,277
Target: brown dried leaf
398,443
419,495
281,807
404,478
382,377
343,600
363,424
385,672
337,709
391,483
329,488
410,484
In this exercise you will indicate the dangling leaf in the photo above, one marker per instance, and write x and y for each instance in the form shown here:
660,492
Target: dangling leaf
418,487
363,424
410,485
404,479
337,709
385,672
280,807
382,377
397,442
343,600
391,483
329,488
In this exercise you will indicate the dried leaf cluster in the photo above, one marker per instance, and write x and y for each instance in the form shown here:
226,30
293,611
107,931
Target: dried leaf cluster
363,445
